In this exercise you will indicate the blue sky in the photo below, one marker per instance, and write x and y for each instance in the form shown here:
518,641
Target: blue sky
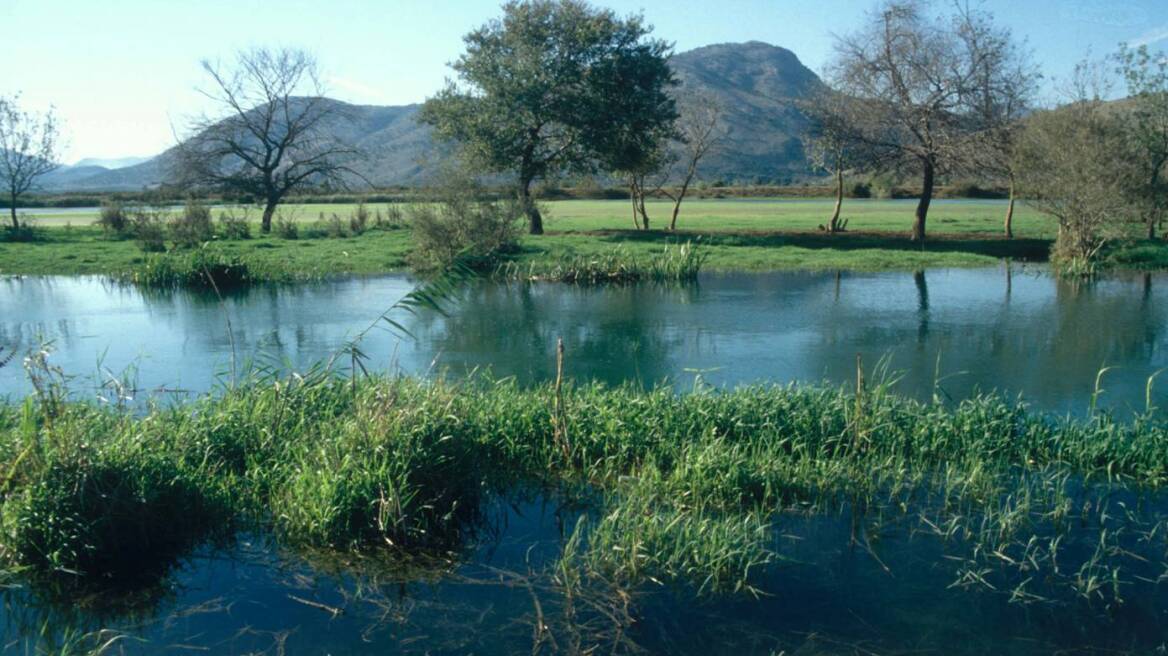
121,73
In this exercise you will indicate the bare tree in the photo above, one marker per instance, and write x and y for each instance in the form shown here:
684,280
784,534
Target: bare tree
272,133
698,131
28,149
833,144
921,80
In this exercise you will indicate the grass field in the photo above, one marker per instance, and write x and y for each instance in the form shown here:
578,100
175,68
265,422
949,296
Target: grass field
737,234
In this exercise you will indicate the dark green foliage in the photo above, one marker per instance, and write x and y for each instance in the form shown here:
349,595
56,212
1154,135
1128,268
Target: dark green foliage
120,514
556,86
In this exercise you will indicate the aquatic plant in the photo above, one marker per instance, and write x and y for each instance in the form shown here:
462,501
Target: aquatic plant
673,264
682,489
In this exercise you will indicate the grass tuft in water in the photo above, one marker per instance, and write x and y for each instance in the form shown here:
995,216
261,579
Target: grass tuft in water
673,264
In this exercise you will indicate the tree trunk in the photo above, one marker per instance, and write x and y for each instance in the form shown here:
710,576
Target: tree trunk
1152,225
680,197
534,220
641,208
266,222
15,222
633,202
1010,212
918,229
833,224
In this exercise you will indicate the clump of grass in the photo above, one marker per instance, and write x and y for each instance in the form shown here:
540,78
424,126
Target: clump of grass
645,536
679,488
673,264
205,268
109,514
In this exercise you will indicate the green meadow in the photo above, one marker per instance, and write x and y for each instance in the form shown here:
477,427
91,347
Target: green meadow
735,234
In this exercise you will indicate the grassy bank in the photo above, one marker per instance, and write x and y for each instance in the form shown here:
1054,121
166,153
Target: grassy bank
736,235
685,490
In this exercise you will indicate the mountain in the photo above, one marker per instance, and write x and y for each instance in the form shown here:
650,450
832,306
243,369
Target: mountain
107,163
757,85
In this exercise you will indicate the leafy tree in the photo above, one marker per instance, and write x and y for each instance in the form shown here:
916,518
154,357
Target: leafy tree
272,134
28,149
556,87
1073,166
923,82
1145,116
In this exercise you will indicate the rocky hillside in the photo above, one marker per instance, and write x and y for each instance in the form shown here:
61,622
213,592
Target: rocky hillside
757,86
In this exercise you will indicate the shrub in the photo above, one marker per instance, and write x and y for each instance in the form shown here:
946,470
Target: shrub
113,218
149,229
457,225
393,219
233,226
286,228
193,226
359,221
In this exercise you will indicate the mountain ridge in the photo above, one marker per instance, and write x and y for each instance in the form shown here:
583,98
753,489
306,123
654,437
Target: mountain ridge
757,86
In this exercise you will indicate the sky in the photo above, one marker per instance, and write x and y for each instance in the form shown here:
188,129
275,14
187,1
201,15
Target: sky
123,74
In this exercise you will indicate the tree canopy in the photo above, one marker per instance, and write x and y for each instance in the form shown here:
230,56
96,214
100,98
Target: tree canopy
556,86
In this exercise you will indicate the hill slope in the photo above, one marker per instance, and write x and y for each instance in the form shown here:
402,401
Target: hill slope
755,84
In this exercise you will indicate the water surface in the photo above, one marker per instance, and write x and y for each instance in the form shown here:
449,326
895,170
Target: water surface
948,332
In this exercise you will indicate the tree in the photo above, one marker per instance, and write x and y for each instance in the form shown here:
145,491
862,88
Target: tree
556,87
1074,168
28,149
921,81
832,143
272,133
674,165
1145,117
999,107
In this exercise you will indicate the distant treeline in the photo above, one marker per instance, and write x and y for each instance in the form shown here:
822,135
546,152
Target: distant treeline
859,189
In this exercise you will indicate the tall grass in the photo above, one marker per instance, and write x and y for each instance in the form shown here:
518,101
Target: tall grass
205,268
682,489
673,264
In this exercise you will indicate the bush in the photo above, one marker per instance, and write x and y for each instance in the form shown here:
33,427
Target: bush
113,218
458,225
193,226
233,226
359,221
393,219
148,228
286,228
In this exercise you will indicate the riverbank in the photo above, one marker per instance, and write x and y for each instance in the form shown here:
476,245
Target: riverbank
686,492
736,235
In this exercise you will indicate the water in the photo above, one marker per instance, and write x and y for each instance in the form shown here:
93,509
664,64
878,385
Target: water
949,332
844,585
829,595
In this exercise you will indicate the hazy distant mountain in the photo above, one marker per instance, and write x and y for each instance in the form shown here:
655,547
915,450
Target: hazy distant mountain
756,84
107,163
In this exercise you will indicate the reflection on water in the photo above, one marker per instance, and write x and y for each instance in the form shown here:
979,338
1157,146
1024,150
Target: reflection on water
896,594
951,332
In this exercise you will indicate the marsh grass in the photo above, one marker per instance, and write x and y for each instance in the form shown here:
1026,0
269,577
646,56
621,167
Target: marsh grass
680,263
207,268
681,489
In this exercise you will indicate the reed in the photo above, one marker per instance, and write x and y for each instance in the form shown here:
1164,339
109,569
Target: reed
680,263
679,489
